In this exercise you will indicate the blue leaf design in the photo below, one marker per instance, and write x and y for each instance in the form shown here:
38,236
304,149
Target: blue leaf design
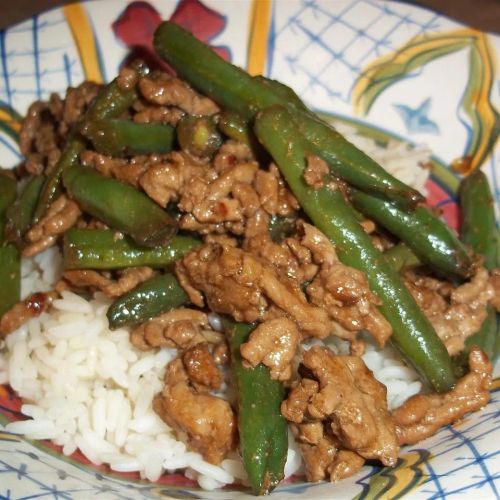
416,119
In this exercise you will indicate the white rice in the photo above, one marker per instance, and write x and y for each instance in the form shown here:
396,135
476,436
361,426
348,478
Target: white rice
89,388
39,273
86,387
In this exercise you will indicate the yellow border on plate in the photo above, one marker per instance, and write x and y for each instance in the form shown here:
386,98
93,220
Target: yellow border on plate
9,120
260,22
83,34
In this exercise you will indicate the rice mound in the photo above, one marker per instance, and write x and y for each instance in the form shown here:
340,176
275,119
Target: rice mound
89,389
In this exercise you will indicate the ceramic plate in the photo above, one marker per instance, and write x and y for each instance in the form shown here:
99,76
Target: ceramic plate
395,69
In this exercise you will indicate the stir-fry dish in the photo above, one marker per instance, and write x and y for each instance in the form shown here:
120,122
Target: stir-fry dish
198,273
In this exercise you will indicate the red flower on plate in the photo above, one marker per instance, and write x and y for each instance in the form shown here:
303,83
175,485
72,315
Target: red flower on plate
136,25
439,198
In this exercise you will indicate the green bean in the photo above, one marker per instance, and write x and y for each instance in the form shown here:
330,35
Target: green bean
262,428
197,63
20,213
479,229
235,127
120,206
343,157
284,91
10,277
117,138
110,102
198,135
52,184
151,298
486,339
327,208
236,90
113,100
8,192
102,249
431,239
400,257
351,164
10,262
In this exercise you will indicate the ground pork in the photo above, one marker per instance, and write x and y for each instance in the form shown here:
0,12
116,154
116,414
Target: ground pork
230,195
46,126
495,283
315,172
201,367
274,344
145,113
341,392
323,458
290,259
61,215
240,284
165,90
166,181
127,78
127,280
206,422
343,291
422,415
455,312
181,328
128,171
23,311
318,458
